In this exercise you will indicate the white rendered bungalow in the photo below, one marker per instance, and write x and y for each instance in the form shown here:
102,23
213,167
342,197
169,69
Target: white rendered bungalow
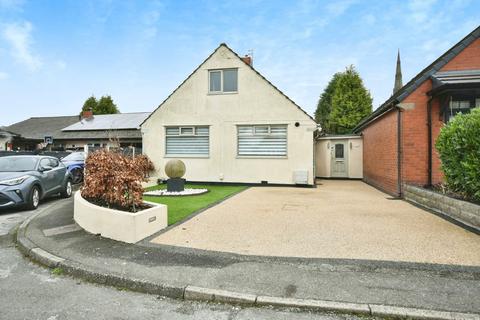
229,124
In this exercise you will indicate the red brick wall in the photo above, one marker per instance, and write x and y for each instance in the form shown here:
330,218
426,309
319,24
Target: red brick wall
437,124
380,153
380,137
415,138
467,59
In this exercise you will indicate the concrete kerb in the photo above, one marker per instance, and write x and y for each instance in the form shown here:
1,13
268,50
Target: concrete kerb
188,292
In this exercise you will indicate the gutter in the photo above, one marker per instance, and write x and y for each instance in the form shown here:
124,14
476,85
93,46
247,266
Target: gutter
399,151
430,142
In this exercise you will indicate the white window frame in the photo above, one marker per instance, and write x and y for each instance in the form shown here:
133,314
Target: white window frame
263,134
180,133
195,134
221,81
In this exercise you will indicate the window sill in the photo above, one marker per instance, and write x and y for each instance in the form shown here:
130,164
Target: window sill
261,157
221,93
183,156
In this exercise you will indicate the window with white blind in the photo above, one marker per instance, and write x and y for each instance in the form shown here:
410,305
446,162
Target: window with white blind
187,141
262,140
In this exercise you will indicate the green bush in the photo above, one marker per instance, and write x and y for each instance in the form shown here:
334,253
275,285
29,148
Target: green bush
459,147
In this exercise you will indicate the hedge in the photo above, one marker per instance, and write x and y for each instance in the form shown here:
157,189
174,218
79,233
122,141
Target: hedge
459,147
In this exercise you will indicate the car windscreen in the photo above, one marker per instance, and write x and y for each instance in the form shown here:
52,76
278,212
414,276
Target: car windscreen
15,164
77,156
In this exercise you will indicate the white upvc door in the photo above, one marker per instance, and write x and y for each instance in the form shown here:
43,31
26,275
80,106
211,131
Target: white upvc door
339,156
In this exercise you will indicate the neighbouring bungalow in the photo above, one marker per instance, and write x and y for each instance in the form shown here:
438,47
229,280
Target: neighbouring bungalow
74,132
399,137
230,124
5,139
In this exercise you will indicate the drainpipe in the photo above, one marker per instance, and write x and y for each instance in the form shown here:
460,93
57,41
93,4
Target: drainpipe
399,151
430,143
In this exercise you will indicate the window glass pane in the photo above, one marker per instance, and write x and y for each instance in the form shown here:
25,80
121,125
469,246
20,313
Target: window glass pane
187,143
173,131
186,131
477,103
215,81
261,130
278,130
339,151
202,131
263,145
44,163
230,80
245,130
53,163
464,104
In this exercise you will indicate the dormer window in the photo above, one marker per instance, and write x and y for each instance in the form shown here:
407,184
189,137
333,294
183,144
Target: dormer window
223,81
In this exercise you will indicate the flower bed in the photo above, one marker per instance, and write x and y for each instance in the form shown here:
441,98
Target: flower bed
119,225
186,192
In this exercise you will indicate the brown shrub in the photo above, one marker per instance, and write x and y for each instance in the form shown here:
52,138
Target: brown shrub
114,180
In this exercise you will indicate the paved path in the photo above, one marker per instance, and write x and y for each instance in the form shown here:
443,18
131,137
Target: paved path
438,287
338,219
32,292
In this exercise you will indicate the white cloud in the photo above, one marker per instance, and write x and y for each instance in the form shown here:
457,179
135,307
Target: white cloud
11,4
420,9
337,8
19,36
3,75
62,65
369,19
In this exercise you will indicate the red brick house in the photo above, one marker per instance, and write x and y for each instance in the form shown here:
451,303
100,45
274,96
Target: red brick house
399,137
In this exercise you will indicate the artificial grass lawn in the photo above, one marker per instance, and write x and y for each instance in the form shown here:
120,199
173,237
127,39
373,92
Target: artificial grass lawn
181,207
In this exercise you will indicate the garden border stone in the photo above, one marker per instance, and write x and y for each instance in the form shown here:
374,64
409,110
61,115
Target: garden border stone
464,213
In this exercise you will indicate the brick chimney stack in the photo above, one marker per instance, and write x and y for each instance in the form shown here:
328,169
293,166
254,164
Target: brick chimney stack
248,59
87,114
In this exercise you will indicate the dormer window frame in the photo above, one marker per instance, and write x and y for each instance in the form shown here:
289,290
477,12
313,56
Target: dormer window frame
222,81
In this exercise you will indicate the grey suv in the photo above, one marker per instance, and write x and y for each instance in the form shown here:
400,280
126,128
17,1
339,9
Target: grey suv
25,180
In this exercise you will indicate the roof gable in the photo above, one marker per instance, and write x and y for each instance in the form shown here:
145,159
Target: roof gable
223,45
420,78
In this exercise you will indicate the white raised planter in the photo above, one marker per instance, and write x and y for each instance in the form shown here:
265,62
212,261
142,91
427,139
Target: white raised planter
119,225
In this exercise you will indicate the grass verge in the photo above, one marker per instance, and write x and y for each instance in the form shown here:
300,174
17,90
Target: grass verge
181,207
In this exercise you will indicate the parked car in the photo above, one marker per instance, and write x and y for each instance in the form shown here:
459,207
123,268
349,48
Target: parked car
75,163
25,180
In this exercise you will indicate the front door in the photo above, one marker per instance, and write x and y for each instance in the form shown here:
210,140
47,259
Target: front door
339,164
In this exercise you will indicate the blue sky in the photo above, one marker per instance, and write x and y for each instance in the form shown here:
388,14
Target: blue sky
55,54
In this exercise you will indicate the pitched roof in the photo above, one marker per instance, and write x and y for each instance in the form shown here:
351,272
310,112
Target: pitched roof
413,84
5,133
37,128
455,77
124,125
249,65
118,121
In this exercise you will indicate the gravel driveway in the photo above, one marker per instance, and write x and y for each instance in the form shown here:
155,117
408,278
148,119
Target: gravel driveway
338,219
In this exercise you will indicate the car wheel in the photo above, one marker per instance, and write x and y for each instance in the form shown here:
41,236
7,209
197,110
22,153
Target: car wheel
34,198
67,191
77,175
